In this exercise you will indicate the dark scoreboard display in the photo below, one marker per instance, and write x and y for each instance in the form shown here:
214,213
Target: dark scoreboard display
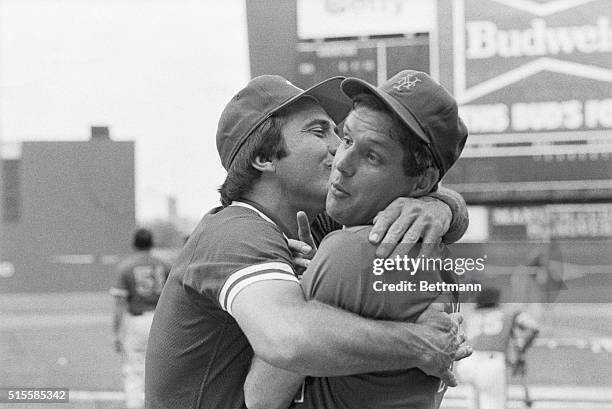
371,59
562,178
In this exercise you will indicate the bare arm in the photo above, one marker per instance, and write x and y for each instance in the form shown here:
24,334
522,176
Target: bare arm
314,339
269,387
460,219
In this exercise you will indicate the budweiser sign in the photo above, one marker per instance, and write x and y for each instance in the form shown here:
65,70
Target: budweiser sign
528,66
485,39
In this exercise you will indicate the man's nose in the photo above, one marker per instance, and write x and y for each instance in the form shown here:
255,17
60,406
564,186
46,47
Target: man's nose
343,162
332,145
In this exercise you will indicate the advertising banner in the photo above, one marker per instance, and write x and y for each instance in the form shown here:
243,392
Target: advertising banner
534,82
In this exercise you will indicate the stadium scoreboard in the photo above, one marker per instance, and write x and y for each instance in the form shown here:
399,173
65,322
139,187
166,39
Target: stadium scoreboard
533,80
373,59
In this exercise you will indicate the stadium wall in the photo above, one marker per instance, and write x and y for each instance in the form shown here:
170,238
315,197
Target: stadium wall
68,215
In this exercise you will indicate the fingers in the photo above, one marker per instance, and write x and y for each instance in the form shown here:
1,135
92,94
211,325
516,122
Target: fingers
463,351
457,317
410,231
301,262
432,237
299,246
304,233
398,232
433,234
461,337
382,222
448,377
435,317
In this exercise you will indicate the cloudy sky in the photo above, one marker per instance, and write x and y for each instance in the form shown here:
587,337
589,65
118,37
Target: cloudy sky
157,72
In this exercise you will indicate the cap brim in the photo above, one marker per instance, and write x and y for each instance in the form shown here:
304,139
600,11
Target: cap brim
329,95
355,86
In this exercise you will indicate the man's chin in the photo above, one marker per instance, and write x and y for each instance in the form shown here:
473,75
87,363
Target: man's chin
338,213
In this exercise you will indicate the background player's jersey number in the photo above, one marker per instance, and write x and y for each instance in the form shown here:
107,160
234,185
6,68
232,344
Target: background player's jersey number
489,324
149,279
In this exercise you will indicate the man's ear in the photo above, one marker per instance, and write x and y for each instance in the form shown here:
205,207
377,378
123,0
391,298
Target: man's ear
263,164
426,182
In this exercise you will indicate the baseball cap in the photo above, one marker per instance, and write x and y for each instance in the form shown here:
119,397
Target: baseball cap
261,98
425,107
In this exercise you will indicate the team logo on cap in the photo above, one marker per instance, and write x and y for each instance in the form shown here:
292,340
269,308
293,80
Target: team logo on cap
406,82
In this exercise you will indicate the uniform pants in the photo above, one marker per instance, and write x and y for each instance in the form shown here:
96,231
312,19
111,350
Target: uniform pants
134,347
486,372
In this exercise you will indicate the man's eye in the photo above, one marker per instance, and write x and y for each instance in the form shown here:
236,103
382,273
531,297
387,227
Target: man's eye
372,157
318,131
347,141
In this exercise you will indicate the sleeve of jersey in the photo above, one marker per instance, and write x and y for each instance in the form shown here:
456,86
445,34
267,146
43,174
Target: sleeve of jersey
244,277
242,257
460,220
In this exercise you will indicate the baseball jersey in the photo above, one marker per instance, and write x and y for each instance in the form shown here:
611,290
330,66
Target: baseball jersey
341,274
197,355
140,280
490,329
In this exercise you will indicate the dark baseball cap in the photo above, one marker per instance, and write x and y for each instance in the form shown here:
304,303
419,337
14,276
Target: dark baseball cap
261,98
425,107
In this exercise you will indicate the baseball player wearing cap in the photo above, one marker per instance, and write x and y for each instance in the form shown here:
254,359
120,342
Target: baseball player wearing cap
399,140
140,279
234,290
498,336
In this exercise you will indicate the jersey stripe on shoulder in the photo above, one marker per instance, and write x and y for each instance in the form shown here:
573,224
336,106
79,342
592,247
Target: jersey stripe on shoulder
251,274
253,279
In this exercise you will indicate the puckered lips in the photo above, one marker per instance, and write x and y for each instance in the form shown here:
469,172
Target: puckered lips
338,191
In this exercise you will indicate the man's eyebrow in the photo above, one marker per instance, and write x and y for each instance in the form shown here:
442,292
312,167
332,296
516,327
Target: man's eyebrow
325,124
375,141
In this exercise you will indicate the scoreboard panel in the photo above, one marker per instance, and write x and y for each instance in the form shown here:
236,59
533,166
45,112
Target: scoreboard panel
539,117
373,59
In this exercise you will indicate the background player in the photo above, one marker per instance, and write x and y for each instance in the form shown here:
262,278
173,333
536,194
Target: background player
498,336
399,140
141,277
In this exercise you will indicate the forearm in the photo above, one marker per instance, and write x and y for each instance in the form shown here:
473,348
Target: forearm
460,220
331,342
269,387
